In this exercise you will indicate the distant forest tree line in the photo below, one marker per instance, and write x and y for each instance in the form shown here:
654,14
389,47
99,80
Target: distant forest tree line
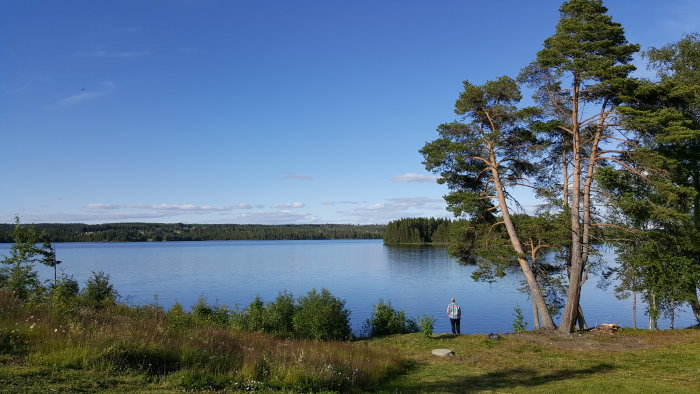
145,232
418,231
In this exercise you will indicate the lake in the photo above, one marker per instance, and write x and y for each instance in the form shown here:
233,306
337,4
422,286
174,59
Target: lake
417,279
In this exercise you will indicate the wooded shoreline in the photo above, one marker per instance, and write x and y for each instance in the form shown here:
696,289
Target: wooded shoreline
154,232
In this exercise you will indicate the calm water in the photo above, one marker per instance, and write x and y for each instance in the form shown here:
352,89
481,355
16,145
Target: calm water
419,280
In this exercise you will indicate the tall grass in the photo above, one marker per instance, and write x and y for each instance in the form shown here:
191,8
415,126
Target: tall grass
179,351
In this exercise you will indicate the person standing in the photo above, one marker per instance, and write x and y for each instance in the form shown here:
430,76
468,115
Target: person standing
454,312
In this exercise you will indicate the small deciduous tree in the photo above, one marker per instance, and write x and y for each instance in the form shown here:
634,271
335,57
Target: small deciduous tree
322,316
98,290
19,276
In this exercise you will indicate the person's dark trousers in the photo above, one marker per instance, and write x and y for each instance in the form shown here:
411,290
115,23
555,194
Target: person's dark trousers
455,326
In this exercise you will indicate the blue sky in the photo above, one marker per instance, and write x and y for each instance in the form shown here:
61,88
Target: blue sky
254,111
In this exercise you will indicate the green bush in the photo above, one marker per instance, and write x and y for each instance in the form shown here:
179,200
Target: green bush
426,324
98,290
279,315
177,316
385,320
204,312
321,316
21,280
66,288
519,324
13,341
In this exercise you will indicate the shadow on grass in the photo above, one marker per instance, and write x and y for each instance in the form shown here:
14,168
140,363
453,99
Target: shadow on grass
443,336
504,379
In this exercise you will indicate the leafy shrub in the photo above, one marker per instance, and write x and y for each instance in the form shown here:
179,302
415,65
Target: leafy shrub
426,324
279,315
321,316
204,312
249,318
98,290
519,324
13,341
21,280
275,317
177,316
385,320
66,288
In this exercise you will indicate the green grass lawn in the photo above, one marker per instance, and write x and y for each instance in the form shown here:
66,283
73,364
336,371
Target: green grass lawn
630,361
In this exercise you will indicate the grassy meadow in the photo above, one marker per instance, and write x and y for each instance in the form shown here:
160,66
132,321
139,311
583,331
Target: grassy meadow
54,347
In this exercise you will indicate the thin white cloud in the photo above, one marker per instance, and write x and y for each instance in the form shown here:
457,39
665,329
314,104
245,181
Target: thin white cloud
396,208
291,205
411,177
95,217
119,54
274,217
169,207
80,97
339,202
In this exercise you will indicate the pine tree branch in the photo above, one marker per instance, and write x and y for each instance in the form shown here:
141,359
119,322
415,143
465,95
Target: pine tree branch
630,168
624,141
614,226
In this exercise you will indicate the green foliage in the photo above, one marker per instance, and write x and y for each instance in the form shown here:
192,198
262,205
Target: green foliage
661,260
318,315
279,316
204,312
588,45
20,277
385,320
145,232
426,324
252,317
519,324
418,231
177,316
65,288
462,155
98,290
321,316
13,341
150,358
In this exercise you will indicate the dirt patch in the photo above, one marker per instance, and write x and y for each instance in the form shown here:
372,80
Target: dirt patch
586,341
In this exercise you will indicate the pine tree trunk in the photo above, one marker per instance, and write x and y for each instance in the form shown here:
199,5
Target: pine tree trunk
535,292
536,316
565,175
576,266
581,320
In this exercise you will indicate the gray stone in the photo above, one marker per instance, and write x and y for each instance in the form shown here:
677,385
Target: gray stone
443,352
